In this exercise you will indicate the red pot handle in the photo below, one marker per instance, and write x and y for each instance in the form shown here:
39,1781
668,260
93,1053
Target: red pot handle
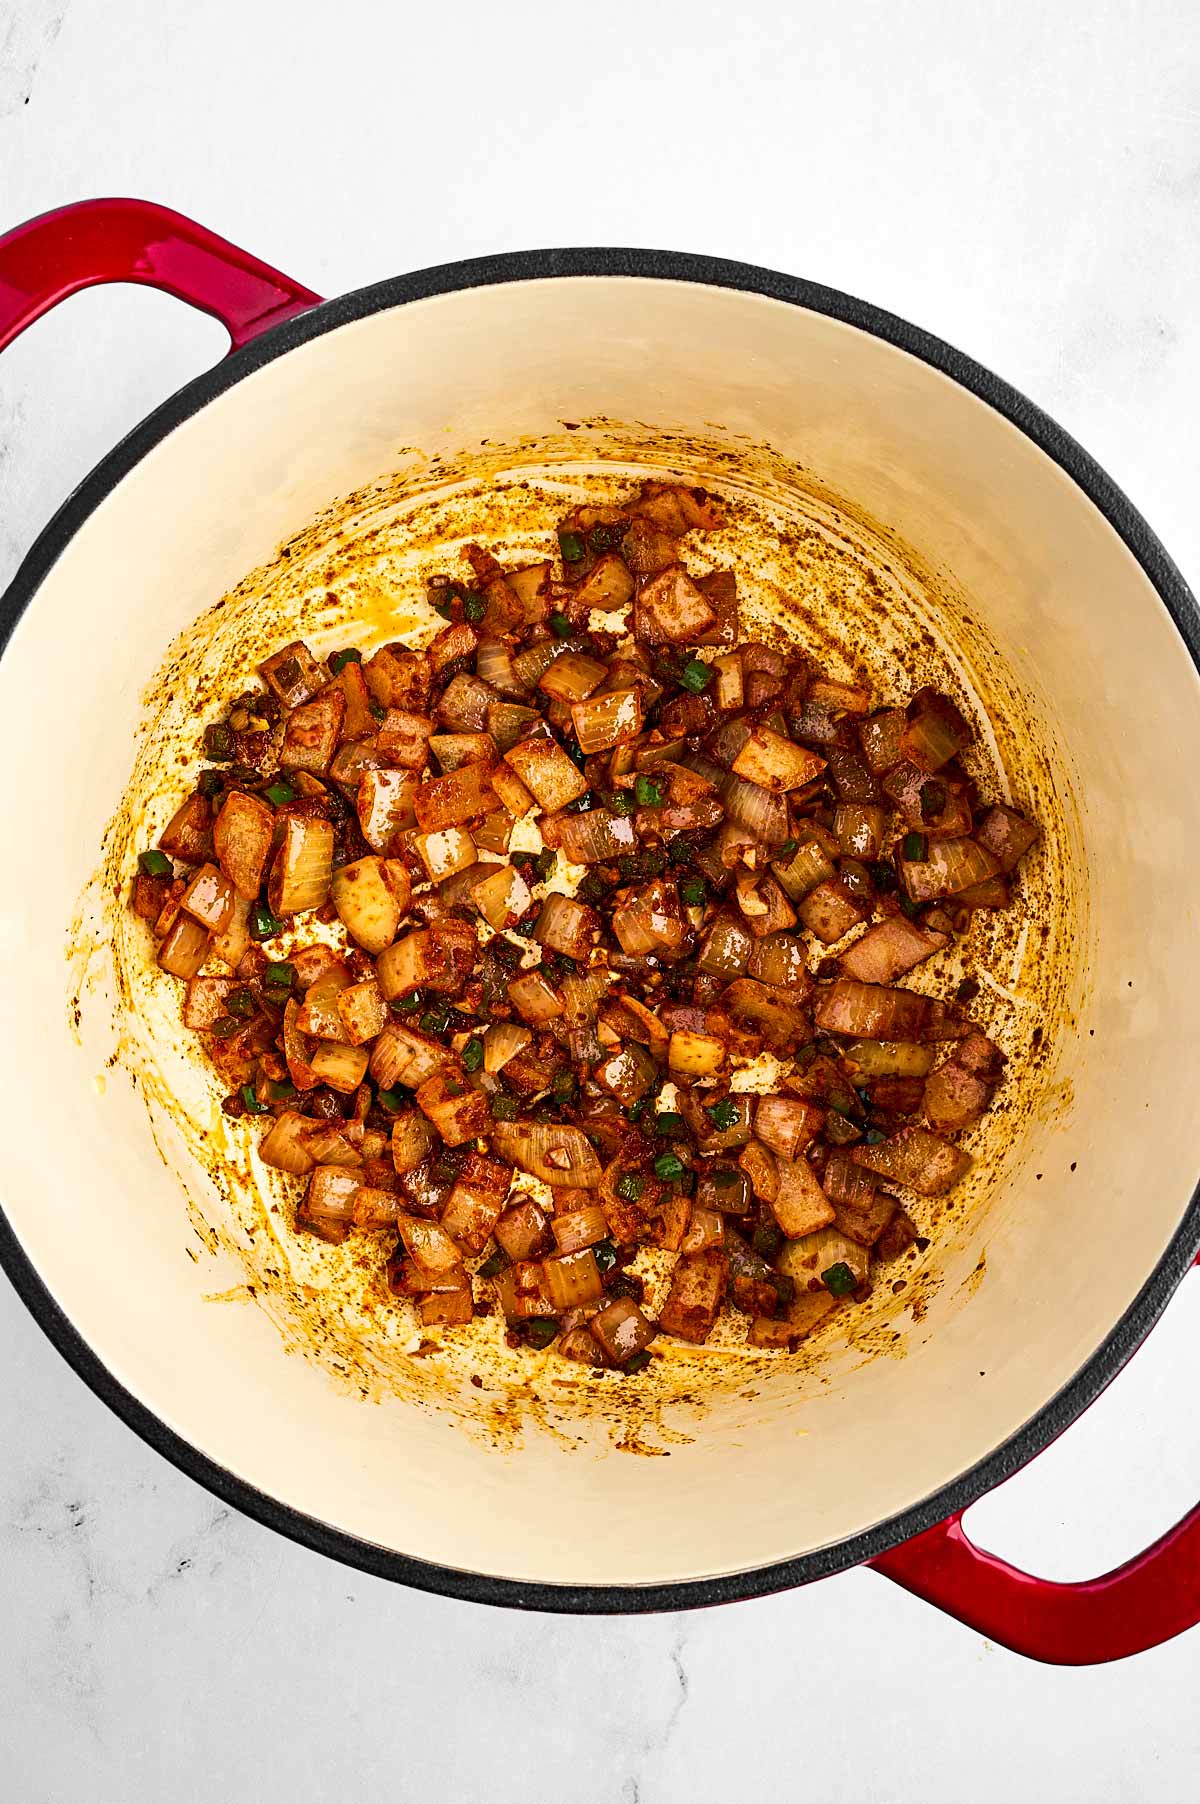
1148,1600
91,241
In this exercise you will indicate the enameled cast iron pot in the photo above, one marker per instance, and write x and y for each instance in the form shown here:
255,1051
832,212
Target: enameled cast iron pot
1074,589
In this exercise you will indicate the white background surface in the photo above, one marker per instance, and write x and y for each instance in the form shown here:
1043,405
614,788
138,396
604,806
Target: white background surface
1021,179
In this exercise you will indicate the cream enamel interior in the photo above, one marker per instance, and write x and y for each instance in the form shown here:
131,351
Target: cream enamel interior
1051,608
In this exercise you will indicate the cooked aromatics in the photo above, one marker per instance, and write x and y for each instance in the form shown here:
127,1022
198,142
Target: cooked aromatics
516,1081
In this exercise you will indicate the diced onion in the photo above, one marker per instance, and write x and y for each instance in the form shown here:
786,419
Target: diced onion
696,1055
530,665
728,739
567,926
303,866
603,721
412,1140
949,865
558,1154
284,1147
844,1181
760,813
428,1244
341,1067
533,996
579,1228
502,897
506,721
627,1074
890,949
523,1230
869,1059
465,703
650,921
622,1330
583,992
502,1042
185,948
781,959
870,1011
923,1161
573,1279
811,863
726,949
935,734
707,1229
446,852
787,1124
494,666
596,836
572,677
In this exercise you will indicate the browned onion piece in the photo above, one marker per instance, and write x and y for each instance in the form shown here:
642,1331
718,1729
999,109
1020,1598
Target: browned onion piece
328,1202
185,948
787,1124
936,731
727,947
922,1161
579,1228
813,862
523,1231
582,993
572,1279
284,1148
650,921
870,1011
621,1330
1006,836
775,763
707,1229
696,1294
949,865
603,721
781,959
567,926
558,1154
889,949
880,738
799,1205
595,837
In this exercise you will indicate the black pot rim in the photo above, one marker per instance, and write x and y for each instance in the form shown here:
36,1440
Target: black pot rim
1139,1317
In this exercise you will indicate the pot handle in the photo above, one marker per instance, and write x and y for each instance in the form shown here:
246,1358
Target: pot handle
92,241
1153,1597
1149,1600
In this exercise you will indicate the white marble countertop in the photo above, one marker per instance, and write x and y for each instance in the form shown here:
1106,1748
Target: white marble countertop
1022,180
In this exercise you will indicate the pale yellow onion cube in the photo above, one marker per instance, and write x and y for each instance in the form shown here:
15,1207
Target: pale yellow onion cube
385,799
371,897
775,763
502,1042
511,791
696,1055
603,721
729,687
362,1010
544,768
572,677
502,897
341,1067
446,852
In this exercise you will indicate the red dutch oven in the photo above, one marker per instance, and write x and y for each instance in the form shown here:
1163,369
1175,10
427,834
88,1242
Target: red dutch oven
1089,1220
